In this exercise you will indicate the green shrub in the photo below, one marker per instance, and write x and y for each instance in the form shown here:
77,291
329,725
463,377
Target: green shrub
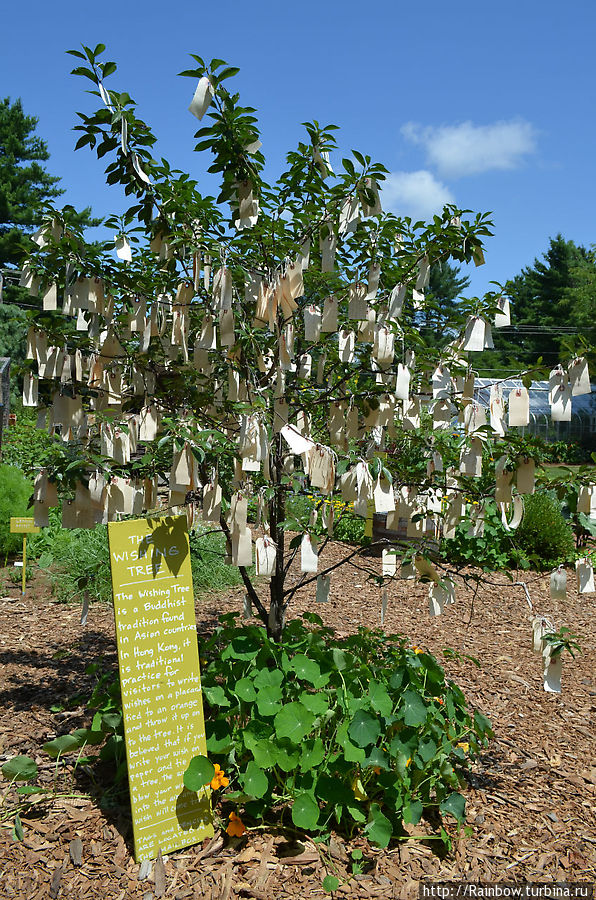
207,556
326,733
28,447
349,528
78,559
15,493
544,535
492,552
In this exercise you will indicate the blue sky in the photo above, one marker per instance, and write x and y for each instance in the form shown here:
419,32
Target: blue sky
490,106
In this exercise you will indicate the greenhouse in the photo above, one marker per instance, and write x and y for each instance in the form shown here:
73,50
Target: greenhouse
582,427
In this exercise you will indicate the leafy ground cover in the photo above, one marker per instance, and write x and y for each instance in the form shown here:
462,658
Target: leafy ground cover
531,796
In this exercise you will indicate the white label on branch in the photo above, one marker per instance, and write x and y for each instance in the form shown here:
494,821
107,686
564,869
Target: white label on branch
402,384
553,667
329,319
265,556
347,343
525,476
123,248
396,301
328,246
503,316
441,383
585,576
383,348
212,502
388,562
297,443
560,399
558,584
349,215
516,514
579,377
519,407
470,462
242,547
323,585
383,496
30,386
357,303
305,366
312,323
477,335
202,98
497,410
226,328
309,557
441,414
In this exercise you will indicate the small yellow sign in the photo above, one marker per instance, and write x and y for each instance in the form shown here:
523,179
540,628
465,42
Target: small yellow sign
23,525
160,681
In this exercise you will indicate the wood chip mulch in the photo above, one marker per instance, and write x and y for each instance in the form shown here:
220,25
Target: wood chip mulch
531,800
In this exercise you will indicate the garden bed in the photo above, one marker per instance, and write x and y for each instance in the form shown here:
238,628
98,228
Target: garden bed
531,798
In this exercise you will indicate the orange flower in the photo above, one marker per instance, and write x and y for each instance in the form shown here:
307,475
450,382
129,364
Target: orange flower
377,770
417,650
408,761
440,701
236,826
219,779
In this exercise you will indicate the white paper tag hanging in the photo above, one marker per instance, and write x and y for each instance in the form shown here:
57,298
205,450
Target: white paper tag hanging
329,318
470,461
517,513
558,584
357,302
553,668
323,585
503,316
383,496
519,407
585,576
347,343
212,502
328,246
579,377
309,557
497,410
242,547
388,562
266,554
441,383
202,98
402,385
312,323
525,476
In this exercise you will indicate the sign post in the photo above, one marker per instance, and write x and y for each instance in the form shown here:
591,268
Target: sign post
160,681
23,525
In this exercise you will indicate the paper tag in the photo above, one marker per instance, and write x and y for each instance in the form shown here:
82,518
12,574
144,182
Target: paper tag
309,557
323,585
202,98
503,316
519,407
585,576
579,377
558,584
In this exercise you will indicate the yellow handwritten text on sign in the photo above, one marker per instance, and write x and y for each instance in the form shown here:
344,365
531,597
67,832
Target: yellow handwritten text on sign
23,525
160,681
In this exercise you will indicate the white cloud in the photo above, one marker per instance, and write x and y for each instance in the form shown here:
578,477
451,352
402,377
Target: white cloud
469,149
415,194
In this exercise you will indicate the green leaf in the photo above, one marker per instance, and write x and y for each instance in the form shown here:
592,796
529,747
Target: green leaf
414,709
199,773
20,768
26,789
380,700
269,701
255,781
268,678
306,668
216,696
379,828
305,812
61,745
313,754
356,813
294,722
316,703
245,690
412,812
242,647
330,883
287,758
454,804
364,729
88,736
17,831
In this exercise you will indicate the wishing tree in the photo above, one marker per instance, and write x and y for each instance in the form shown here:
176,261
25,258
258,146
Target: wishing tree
235,349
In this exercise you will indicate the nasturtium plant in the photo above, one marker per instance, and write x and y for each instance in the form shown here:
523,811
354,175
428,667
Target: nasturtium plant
362,733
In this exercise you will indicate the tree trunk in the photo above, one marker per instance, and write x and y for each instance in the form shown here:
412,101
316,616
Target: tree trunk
275,624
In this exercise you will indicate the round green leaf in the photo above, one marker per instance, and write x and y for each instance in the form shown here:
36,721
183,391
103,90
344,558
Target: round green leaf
269,700
313,754
245,690
305,812
414,709
268,678
379,828
20,768
61,744
199,773
456,805
216,696
255,781
330,883
380,700
294,722
316,703
364,729
241,647
306,668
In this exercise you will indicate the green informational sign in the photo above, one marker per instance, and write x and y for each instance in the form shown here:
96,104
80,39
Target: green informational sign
160,681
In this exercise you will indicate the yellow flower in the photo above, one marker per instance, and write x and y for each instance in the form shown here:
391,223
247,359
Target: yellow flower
219,779
464,746
417,650
236,826
408,761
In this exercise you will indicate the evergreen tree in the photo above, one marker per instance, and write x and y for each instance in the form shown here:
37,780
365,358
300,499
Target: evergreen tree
26,190
441,308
